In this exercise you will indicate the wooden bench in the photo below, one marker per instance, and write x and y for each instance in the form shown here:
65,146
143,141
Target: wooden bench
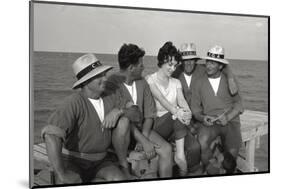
254,124
40,155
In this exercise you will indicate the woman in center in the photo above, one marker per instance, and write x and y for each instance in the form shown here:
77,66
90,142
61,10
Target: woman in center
173,112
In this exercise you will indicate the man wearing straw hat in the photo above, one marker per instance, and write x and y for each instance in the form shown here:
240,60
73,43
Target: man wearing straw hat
188,73
190,70
82,126
218,110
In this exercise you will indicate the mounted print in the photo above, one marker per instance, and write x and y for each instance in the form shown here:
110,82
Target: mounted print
126,94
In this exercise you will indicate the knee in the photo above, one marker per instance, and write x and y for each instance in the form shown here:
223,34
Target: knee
118,177
203,141
115,175
234,152
194,147
229,163
123,125
165,150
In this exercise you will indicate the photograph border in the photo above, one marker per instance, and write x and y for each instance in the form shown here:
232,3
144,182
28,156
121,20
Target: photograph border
31,110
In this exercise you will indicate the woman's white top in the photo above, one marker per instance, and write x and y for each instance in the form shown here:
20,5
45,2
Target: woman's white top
215,82
133,91
99,107
170,93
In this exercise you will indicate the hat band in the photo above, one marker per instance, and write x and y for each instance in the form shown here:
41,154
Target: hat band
89,68
220,56
187,53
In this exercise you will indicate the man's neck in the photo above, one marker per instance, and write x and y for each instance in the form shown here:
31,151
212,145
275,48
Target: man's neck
215,76
188,74
128,79
89,94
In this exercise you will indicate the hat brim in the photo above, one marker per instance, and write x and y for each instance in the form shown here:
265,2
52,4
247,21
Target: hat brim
224,61
190,57
91,74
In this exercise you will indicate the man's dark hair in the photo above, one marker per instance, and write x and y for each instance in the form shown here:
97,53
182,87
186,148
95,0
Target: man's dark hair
129,54
167,51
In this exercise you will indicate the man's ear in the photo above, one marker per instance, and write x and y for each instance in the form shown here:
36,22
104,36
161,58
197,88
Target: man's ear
131,67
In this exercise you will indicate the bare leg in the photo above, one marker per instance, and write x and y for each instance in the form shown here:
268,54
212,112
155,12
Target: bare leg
120,141
110,173
165,155
180,157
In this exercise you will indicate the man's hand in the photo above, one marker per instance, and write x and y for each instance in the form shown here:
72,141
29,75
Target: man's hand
133,113
138,147
193,131
149,149
69,177
207,120
222,120
111,118
184,116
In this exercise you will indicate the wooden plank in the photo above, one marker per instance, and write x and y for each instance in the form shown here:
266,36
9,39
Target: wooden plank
251,118
253,125
258,142
254,133
250,154
242,165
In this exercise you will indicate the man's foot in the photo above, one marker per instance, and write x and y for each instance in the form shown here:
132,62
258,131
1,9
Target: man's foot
183,173
126,171
182,166
196,170
212,170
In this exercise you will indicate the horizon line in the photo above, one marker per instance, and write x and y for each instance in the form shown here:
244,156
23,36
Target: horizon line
145,54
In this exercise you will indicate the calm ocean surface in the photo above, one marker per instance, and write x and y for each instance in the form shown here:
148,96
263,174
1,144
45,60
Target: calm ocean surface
52,80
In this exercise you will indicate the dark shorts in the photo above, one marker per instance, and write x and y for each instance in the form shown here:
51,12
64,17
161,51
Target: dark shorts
89,169
166,127
230,134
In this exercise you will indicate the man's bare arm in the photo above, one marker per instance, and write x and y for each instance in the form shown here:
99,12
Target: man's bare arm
54,150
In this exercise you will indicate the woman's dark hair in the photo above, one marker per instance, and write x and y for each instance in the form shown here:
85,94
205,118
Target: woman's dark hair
167,51
129,54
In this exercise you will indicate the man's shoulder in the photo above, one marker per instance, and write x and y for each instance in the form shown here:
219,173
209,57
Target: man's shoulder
142,81
116,78
199,81
72,101
113,82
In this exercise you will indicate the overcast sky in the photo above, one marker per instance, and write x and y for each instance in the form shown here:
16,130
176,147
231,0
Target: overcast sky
68,28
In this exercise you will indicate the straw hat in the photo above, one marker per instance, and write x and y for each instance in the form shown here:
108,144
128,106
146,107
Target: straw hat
216,53
86,67
188,51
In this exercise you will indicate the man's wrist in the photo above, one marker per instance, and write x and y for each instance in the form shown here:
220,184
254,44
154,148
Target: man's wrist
121,112
145,133
227,118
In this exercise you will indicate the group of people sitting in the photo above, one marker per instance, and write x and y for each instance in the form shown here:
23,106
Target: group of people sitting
181,114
